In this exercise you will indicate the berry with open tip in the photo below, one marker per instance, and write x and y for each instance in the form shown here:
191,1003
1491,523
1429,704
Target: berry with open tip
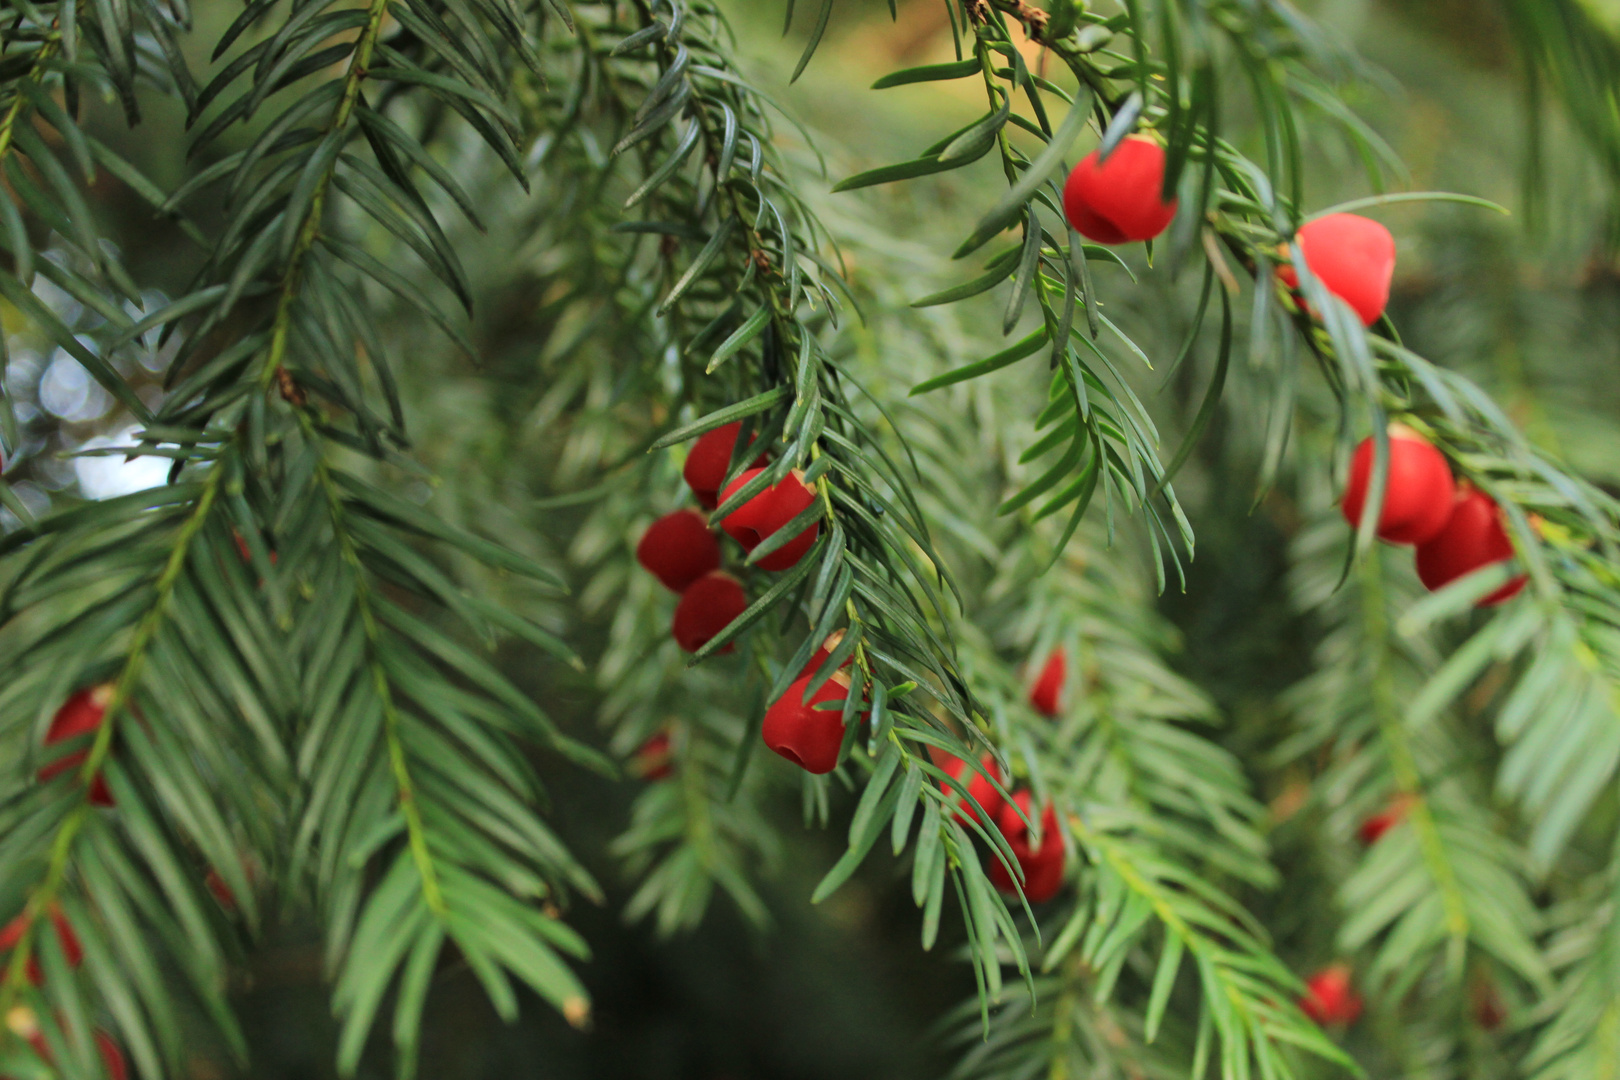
803,734
764,514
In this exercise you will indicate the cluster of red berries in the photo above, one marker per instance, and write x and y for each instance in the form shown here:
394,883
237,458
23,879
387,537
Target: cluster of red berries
1118,200
1457,528
682,552
1041,864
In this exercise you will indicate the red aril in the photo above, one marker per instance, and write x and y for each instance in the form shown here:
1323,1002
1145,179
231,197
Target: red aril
1419,492
1354,259
1042,866
707,607
1472,539
803,734
1047,692
1117,201
710,457
765,513
678,549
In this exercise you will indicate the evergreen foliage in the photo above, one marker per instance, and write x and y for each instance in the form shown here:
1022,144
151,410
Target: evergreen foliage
580,218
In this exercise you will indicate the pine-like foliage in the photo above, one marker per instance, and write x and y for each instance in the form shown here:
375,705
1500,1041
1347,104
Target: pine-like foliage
580,218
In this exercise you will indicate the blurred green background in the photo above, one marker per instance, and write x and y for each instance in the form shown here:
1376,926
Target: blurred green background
1528,305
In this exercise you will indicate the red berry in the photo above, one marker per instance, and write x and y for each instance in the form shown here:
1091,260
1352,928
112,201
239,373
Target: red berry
1117,201
707,607
80,715
1472,539
1042,866
1330,998
12,933
1354,259
1048,688
978,786
807,736
1418,493
653,761
1373,829
678,549
706,465
767,512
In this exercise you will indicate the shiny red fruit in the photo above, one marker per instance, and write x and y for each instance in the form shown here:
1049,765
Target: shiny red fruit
653,761
807,736
80,715
1473,539
678,549
707,607
1047,692
978,786
1117,201
765,513
1329,996
708,461
1042,866
12,933
1354,259
1419,492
